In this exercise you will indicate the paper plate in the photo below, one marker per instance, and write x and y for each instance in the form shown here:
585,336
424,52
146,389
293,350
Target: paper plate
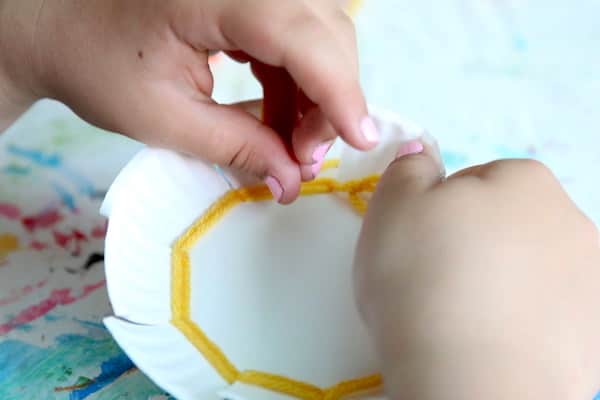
220,293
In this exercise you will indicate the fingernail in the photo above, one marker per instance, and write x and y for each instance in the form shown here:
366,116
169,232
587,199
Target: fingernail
369,130
320,152
408,148
274,187
316,168
310,172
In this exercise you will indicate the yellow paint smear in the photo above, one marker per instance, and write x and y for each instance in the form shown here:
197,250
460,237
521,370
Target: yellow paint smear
8,244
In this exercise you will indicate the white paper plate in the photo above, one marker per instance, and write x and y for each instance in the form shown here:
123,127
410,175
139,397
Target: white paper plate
263,307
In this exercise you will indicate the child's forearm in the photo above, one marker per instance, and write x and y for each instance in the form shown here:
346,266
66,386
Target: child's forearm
18,80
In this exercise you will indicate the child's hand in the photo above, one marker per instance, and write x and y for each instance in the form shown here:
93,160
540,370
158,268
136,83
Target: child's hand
141,67
484,286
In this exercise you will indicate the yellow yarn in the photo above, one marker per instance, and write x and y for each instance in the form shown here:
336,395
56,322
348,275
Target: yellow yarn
180,288
306,391
329,164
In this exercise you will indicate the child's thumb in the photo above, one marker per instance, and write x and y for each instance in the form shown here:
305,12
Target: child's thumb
418,166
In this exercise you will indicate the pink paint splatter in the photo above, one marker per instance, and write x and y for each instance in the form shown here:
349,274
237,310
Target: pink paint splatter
79,236
22,292
58,297
9,211
70,241
38,246
45,219
99,231
61,239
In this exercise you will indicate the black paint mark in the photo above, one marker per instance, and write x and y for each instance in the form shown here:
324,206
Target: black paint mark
140,54
93,259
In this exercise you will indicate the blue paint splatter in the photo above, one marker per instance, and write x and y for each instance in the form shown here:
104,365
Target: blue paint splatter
520,43
53,317
32,372
36,156
597,397
83,185
24,327
65,197
110,370
54,161
507,152
17,170
90,324
12,350
453,160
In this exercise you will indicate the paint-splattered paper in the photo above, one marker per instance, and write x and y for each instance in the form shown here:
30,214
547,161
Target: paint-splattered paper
488,78
54,171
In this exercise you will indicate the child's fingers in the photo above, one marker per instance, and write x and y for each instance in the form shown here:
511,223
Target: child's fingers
311,132
229,136
312,139
308,137
280,99
317,49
